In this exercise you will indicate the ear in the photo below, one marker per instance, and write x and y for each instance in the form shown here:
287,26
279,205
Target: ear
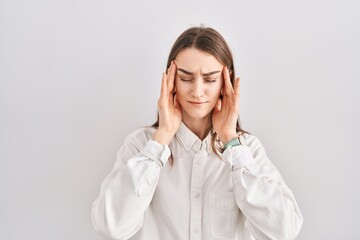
218,105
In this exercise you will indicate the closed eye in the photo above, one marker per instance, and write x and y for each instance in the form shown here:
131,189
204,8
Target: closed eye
185,80
210,80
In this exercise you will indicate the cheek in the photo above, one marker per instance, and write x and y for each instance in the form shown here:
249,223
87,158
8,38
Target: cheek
180,91
215,92
181,88
177,84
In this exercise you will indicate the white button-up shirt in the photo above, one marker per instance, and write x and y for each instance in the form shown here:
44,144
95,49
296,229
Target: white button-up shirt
241,196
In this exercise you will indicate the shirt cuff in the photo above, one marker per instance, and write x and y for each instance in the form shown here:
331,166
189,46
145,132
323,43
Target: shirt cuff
157,152
238,156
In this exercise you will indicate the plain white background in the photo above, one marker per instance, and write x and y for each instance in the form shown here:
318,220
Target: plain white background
76,77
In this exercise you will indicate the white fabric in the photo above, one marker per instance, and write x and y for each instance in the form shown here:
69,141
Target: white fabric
201,196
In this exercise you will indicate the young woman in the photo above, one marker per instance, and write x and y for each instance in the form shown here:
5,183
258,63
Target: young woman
195,174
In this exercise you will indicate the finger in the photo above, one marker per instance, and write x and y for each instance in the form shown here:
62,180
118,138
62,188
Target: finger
224,103
236,95
237,86
228,86
171,76
164,93
168,70
163,85
177,103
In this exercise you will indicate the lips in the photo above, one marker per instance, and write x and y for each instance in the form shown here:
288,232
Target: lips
196,103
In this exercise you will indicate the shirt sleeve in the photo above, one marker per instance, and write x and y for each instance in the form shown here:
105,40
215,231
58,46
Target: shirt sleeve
267,203
127,191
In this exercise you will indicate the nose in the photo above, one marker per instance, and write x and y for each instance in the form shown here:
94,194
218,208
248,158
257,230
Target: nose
198,88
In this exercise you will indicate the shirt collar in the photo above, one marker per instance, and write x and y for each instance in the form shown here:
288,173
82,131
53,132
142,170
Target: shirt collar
189,140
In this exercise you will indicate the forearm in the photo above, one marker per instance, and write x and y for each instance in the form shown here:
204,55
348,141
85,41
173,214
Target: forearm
267,203
163,136
127,192
269,206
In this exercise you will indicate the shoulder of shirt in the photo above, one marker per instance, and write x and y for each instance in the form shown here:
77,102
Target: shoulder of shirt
141,135
134,143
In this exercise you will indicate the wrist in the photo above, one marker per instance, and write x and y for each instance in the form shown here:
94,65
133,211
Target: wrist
163,137
226,138
232,143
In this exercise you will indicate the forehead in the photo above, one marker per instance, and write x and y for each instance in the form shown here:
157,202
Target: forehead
194,60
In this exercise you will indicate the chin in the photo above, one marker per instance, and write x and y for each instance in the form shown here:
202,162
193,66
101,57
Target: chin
198,114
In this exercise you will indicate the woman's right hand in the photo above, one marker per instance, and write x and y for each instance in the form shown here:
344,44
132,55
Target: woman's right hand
170,114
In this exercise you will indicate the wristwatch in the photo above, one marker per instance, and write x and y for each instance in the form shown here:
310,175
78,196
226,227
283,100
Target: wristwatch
233,142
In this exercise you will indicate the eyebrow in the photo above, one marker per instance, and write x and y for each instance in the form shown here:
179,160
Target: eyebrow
190,73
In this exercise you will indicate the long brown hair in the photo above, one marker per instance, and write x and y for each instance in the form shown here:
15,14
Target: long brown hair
208,40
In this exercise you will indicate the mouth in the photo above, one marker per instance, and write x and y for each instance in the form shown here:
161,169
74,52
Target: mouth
197,103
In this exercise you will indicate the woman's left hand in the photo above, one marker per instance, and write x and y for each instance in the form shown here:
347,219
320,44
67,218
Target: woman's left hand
226,110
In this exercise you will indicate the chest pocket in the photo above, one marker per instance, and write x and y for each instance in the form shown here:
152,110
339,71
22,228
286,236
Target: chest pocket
224,215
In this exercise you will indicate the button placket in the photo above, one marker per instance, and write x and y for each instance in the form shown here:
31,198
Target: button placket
196,194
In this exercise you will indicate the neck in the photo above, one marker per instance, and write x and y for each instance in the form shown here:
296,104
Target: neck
200,127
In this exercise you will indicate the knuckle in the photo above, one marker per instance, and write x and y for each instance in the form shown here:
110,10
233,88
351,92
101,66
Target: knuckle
161,103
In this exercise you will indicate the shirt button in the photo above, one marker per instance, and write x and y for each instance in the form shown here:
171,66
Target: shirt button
198,162
196,195
196,230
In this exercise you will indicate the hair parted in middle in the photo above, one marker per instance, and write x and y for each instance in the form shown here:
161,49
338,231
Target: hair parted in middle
208,40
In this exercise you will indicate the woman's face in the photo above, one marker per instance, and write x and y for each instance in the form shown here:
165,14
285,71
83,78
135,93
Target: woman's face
198,82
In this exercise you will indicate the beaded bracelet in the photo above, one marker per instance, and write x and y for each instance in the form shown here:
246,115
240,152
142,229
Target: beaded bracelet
233,142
